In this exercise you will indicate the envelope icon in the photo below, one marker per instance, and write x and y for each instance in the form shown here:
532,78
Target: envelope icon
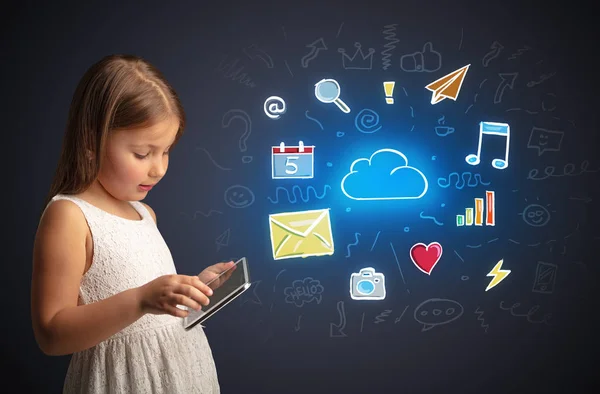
301,234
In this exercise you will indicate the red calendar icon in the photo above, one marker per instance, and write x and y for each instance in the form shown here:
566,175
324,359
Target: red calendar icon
292,162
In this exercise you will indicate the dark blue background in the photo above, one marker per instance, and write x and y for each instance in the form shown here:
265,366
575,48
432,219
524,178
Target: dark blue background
260,342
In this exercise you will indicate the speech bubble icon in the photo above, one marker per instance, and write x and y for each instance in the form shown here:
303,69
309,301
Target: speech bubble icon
545,140
437,311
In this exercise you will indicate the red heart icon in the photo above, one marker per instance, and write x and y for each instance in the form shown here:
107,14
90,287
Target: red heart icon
425,257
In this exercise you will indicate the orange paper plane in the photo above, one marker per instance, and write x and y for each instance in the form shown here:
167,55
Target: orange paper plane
447,86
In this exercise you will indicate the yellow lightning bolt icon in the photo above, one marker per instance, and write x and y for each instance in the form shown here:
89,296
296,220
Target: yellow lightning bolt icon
498,274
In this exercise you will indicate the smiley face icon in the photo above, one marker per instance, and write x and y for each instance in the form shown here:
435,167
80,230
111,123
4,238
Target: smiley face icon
238,196
536,215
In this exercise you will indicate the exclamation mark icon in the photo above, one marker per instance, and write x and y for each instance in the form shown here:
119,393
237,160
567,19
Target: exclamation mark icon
388,87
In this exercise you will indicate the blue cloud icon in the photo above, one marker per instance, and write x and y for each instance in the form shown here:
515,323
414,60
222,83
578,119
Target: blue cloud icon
386,175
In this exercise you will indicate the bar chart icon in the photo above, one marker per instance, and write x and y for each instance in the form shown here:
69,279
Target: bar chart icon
474,215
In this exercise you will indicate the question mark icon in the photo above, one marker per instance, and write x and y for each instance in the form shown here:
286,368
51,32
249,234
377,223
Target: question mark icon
243,115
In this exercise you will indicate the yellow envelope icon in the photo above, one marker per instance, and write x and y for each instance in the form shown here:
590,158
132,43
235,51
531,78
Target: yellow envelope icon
301,234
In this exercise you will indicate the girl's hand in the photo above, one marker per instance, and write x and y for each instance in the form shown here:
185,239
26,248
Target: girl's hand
163,294
213,271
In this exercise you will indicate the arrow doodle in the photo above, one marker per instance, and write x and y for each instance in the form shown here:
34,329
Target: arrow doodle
254,52
339,327
496,48
315,47
507,81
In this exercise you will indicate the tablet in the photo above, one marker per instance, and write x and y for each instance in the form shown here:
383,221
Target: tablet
238,282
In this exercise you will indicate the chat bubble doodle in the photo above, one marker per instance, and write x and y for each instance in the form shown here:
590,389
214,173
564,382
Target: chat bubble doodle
545,140
242,115
437,311
238,196
304,291
536,215
274,107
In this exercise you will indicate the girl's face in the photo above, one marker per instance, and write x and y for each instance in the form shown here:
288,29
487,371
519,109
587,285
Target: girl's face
137,159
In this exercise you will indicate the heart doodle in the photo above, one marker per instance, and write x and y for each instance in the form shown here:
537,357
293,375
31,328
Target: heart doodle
425,257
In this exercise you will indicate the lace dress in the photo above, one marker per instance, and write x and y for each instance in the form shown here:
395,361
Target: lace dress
155,354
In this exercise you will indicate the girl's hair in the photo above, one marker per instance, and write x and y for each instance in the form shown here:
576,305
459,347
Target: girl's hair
119,91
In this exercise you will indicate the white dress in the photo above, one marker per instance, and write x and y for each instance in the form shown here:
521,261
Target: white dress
155,354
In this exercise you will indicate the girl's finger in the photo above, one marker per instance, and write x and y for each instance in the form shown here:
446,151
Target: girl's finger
174,311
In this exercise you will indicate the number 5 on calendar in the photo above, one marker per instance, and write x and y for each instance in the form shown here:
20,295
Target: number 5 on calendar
292,162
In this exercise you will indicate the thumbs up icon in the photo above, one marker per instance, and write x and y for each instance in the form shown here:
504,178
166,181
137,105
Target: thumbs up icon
426,61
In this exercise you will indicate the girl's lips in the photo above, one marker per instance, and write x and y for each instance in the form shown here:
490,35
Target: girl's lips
146,187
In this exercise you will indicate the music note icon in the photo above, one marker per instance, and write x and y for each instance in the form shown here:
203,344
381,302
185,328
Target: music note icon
492,128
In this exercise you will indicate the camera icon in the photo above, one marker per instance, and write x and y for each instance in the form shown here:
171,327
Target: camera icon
367,285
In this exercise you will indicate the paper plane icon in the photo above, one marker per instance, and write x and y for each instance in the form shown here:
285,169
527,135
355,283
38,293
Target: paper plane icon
223,239
447,86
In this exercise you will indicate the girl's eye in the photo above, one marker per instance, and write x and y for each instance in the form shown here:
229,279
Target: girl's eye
141,156
166,153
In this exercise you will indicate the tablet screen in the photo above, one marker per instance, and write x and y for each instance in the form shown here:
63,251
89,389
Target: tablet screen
235,285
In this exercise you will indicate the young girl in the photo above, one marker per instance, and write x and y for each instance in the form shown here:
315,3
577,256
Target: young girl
104,285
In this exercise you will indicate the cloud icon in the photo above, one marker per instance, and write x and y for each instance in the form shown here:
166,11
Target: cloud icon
386,175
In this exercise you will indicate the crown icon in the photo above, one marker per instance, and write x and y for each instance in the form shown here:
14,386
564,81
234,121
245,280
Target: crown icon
355,62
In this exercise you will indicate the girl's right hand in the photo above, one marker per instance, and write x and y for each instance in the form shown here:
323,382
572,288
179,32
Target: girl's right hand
163,294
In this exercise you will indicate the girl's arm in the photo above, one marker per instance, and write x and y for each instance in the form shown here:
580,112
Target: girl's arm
62,327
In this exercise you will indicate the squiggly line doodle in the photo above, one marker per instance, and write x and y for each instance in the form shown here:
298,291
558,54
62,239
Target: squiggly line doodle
568,170
291,197
430,217
473,181
194,216
352,244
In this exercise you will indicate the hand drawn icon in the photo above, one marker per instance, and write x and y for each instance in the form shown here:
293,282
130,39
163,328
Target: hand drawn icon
228,72
315,47
238,196
339,327
490,212
304,291
545,140
492,128
496,48
447,86
367,121
228,117
254,52
384,176
497,274
328,91
292,162
301,234
535,215
545,278
223,239
465,179
274,107
437,311
442,130
367,284
356,62
427,61
388,88
425,257
389,34
507,81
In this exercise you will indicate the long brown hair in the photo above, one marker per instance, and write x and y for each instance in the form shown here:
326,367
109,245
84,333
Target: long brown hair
119,91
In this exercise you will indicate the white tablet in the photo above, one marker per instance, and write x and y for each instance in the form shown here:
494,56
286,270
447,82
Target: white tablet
238,282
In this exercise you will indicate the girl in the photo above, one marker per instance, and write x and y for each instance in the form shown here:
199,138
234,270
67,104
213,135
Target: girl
104,285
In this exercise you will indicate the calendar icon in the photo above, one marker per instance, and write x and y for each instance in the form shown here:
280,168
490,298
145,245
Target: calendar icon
292,162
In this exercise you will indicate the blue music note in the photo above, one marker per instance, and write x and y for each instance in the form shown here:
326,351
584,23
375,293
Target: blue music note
492,128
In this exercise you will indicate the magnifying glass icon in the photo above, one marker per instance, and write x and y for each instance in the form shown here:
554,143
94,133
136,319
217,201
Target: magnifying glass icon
328,91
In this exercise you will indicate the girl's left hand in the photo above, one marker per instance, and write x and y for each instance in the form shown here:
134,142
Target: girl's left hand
215,270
